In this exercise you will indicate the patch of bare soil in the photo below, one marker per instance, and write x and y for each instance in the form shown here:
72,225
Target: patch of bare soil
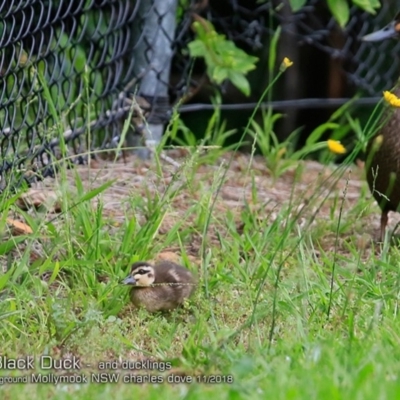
310,192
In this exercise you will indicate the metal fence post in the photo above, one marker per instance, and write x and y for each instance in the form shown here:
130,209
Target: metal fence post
153,55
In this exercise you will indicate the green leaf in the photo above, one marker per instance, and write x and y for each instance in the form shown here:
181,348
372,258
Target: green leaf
7,203
343,109
368,5
96,191
319,131
9,314
340,10
5,247
296,5
223,59
240,81
55,272
341,132
245,63
219,74
4,278
273,50
197,48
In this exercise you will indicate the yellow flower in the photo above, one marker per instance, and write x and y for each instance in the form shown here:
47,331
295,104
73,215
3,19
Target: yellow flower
336,147
391,98
286,63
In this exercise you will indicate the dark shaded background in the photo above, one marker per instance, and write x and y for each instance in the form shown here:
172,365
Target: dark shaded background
329,62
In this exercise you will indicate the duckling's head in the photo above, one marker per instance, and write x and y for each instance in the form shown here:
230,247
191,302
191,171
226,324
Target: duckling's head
390,31
142,274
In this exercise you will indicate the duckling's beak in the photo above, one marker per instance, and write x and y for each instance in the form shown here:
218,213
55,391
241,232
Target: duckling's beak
130,280
388,32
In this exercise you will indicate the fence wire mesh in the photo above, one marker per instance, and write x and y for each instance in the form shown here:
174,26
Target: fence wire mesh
73,71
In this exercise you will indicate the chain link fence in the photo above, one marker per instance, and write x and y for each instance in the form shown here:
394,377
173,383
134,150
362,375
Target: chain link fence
73,72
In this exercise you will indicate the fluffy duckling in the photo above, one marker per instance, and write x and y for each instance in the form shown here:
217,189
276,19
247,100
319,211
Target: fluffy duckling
160,287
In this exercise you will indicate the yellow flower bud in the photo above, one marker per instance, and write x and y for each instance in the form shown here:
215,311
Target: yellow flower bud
336,147
286,63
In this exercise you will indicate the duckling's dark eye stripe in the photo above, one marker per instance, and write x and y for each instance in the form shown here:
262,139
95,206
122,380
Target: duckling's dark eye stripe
141,271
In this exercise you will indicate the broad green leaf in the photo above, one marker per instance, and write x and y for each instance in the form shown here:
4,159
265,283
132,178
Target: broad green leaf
240,81
245,64
222,58
219,74
197,48
340,10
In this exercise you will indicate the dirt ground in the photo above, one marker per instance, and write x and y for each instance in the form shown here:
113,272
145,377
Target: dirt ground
311,192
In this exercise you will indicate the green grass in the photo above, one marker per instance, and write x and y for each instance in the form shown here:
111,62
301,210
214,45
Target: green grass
295,301
285,310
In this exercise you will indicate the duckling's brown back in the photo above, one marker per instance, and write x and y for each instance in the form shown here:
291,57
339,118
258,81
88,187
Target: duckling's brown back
182,280
168,271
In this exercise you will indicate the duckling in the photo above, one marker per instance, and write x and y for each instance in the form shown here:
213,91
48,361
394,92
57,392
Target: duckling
383,151
160,287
